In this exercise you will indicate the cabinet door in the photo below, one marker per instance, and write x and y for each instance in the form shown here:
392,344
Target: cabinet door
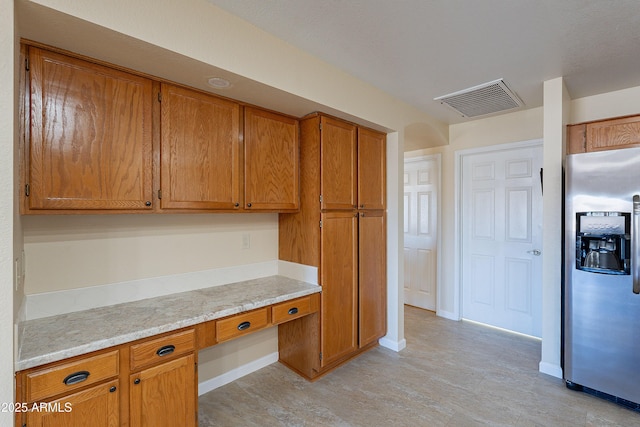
271,161
338,168
611,134
96,407
371,169
339,280
372,278
164,395
90,144
200,150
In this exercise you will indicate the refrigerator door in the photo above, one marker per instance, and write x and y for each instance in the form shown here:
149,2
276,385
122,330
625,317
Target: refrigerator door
602,312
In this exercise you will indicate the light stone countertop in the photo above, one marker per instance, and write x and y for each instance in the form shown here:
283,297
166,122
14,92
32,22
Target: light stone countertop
54,338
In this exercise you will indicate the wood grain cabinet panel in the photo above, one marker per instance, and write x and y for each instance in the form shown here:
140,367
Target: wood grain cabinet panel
162,349
338,170
164,395
610,134
97,406
242,324
340,229
290,310
67,377
372,277
271,161
372,168
199,151
339,278
90,136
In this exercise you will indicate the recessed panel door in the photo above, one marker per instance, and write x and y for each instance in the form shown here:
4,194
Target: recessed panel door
501,222
339,280
421,187
338,164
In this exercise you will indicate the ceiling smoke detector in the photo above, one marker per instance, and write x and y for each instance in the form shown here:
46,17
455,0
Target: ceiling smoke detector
487,98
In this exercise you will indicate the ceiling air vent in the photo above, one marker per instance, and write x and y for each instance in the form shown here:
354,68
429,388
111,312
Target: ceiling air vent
481,100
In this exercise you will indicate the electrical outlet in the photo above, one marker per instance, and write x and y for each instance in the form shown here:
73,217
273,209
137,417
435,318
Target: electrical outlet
246,241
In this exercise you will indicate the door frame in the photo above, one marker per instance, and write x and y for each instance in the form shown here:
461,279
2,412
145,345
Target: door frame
438,159
459,157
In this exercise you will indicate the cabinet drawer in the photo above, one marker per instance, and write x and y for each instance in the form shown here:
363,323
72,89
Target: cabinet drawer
242,324
290,310
159,349
70,376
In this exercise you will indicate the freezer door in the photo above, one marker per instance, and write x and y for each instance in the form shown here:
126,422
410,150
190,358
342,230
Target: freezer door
602,312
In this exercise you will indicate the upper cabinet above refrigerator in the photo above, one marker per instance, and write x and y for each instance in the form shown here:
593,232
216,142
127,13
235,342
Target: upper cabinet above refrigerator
611,134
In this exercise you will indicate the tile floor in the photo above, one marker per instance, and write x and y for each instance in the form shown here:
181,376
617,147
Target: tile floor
450,374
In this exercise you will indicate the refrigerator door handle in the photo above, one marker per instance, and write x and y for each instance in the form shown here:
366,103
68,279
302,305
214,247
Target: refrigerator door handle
635,251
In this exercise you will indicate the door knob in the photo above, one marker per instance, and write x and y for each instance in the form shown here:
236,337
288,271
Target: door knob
535,252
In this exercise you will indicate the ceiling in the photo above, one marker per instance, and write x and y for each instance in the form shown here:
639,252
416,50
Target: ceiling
418,50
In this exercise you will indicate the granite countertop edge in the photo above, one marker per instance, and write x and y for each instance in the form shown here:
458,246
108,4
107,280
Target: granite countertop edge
43,330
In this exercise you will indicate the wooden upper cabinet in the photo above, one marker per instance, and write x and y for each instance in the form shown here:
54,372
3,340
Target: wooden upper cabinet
612,134
271,161
603,135
371,169
338,169
199,150
90,135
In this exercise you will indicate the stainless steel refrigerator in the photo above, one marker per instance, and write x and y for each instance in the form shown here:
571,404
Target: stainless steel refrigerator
602,284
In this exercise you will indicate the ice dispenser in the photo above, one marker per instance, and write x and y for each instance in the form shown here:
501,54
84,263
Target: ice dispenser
603,242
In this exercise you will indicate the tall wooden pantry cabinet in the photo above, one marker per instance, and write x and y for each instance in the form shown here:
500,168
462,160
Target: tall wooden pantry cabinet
340,229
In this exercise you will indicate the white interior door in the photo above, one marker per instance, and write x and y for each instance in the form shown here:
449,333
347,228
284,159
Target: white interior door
501,223
421,191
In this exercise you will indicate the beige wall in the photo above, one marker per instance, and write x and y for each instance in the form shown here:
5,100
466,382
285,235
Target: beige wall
75,251
612,104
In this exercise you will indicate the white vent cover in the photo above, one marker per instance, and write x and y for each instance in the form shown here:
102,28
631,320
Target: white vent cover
481,100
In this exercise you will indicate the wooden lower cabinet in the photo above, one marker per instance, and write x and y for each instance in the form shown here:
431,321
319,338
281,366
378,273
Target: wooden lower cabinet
339,276
93,407
372,277
164,395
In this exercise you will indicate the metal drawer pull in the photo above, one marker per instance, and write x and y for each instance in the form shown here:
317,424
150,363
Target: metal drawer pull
244,325
76,377
293,310
166,350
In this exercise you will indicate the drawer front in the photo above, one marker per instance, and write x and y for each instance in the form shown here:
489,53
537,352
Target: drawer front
242,324
291,310
161,349
49,382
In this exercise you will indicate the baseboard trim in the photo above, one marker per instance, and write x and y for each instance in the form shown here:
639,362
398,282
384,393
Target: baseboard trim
234,374
550,369
393,345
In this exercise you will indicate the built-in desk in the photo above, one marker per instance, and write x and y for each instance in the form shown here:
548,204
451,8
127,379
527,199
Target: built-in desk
111,362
